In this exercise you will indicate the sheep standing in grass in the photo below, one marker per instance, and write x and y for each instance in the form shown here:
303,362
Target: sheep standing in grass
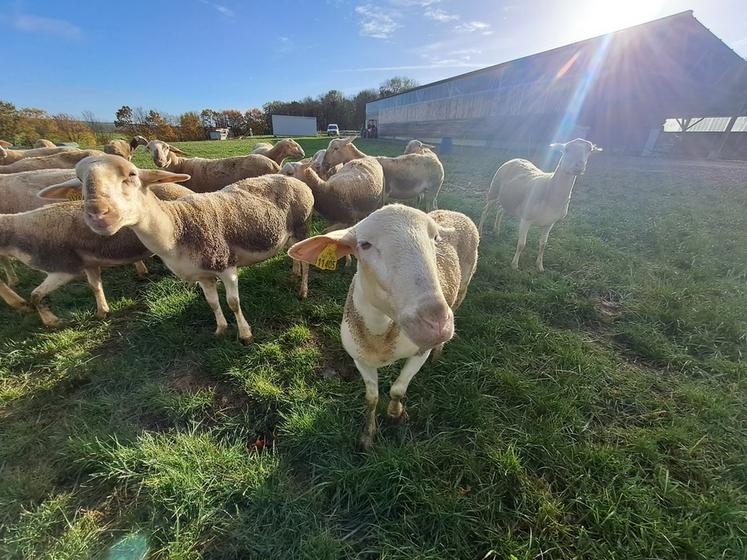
203,237
283,149
61,160
18,193
124,149
44,143
536,197
56,240
8,156
348,196
413,273
210,174
406,176
413,175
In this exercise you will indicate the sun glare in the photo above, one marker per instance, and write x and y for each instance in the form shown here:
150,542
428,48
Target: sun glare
603,16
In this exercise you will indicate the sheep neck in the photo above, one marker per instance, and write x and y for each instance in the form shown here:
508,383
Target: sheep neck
353,153
155,228
276,153
561,185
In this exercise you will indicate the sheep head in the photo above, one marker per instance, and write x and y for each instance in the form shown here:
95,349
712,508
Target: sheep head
396,251
340,150
160,152
575,155
113,190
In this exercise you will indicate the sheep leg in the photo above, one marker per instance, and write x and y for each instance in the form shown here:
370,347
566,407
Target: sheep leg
498,218
542,245
10,274
52,282
141,269
303,291
230,279
12,298
488,205
296,267
93,275
396,411
523,230
370,377
211,295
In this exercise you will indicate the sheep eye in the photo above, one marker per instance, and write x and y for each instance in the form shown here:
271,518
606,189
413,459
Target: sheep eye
365,245
133,174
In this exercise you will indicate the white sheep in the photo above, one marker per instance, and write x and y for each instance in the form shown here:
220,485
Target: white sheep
413,175
210,174
348,196
8,156
56,240
413,273
66,159
44,143
124,149
406,176
538,198
283,149
203,237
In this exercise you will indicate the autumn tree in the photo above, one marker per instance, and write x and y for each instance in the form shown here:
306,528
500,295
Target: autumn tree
190,127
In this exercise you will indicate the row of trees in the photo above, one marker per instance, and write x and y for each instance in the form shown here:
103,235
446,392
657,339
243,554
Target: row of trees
349,112
24,126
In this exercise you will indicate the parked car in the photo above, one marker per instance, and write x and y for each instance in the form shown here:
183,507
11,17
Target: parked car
333,130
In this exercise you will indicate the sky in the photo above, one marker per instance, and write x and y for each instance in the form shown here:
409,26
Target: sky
176,56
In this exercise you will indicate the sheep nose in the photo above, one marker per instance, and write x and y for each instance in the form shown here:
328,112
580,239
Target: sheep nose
97,213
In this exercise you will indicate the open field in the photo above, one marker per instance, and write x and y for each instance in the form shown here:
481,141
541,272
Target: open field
597,411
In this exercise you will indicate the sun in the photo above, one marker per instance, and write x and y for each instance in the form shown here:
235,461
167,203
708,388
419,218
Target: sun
602,16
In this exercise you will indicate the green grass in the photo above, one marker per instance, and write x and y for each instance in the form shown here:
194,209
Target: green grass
550,429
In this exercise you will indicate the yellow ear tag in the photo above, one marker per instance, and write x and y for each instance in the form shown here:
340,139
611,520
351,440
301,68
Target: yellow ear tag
327,259
74,194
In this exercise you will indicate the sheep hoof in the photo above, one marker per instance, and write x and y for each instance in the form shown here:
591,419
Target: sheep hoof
54,323
23,308
102,313
220,330
515,265
247,340
398,420
540,268
303,294
366,442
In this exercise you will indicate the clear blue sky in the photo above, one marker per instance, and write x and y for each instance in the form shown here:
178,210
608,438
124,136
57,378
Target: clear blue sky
175,56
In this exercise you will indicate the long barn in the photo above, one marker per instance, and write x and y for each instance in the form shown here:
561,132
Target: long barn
618,90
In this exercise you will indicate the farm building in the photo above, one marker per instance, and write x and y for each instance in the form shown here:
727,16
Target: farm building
286,125
618,90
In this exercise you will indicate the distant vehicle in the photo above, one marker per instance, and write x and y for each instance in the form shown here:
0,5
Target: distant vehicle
333,130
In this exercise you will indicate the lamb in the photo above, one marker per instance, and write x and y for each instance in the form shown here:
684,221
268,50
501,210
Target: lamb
283,149
210,174
44,143
11,156
124,149
348,196
61,160
55,239
536,197
203,237
415,174
413,272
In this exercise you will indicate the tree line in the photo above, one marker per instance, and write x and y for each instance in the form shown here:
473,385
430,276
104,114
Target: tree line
25,126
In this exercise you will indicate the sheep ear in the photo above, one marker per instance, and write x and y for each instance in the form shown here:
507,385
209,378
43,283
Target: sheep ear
5,144
69,190
348,139
334,245
596,148
557,146
176,150
155,176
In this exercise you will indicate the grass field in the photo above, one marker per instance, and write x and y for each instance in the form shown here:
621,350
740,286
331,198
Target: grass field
597,411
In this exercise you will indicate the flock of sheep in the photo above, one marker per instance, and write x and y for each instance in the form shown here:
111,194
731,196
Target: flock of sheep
206,218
